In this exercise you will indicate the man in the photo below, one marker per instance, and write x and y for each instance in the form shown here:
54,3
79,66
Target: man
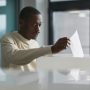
20,49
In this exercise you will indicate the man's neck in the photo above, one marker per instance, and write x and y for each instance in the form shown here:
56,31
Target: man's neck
23,34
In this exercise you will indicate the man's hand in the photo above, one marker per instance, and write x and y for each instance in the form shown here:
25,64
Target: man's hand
60,45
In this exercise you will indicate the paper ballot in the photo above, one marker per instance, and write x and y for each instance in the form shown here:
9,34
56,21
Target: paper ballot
77,51
75,46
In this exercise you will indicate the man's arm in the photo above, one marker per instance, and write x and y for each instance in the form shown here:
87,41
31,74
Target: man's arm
22,57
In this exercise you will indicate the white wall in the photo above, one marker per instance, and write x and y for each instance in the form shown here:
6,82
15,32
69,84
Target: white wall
24,3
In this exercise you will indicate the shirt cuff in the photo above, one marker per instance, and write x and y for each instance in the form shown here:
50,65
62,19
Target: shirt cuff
48,49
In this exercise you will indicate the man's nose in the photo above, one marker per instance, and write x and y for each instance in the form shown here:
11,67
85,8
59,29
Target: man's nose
38,29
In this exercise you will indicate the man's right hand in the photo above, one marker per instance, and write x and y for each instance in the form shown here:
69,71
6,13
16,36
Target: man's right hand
60,45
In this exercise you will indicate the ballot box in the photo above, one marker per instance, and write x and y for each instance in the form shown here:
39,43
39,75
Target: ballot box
63,62
58,72
64,72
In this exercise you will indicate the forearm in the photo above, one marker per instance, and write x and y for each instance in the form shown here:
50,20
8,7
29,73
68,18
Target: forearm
22,57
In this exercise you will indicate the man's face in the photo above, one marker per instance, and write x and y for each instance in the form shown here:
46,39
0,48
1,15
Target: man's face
32,26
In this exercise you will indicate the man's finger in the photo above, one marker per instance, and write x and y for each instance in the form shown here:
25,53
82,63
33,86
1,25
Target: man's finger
68,43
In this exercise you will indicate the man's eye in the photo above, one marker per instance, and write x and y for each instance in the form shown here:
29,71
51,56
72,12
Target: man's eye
36,25
39,25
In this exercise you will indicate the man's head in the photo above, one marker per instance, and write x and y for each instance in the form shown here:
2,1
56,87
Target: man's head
29,22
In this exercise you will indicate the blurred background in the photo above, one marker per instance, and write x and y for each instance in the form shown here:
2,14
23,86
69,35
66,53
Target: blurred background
60,18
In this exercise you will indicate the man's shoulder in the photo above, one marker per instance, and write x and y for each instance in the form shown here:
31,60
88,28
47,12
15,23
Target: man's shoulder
7,37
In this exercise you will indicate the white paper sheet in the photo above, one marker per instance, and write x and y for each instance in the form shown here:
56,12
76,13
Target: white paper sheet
77,51
75,46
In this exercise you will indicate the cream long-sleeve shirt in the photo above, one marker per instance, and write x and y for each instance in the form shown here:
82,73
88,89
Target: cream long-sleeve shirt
19,53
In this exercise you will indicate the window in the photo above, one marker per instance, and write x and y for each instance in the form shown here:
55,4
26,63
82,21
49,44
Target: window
2,24
67,16
2,3
9,10
61,0
70,21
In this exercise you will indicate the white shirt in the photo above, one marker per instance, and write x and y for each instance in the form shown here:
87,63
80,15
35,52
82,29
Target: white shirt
19,53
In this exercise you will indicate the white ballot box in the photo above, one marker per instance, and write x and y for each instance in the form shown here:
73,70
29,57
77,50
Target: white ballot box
64,72
53,73
63,63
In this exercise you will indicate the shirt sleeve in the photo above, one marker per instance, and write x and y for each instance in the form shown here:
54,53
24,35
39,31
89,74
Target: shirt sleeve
20,56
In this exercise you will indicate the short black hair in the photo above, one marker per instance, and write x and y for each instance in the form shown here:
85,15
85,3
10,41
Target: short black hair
26,12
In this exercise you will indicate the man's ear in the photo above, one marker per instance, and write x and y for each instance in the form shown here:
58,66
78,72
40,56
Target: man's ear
21,22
